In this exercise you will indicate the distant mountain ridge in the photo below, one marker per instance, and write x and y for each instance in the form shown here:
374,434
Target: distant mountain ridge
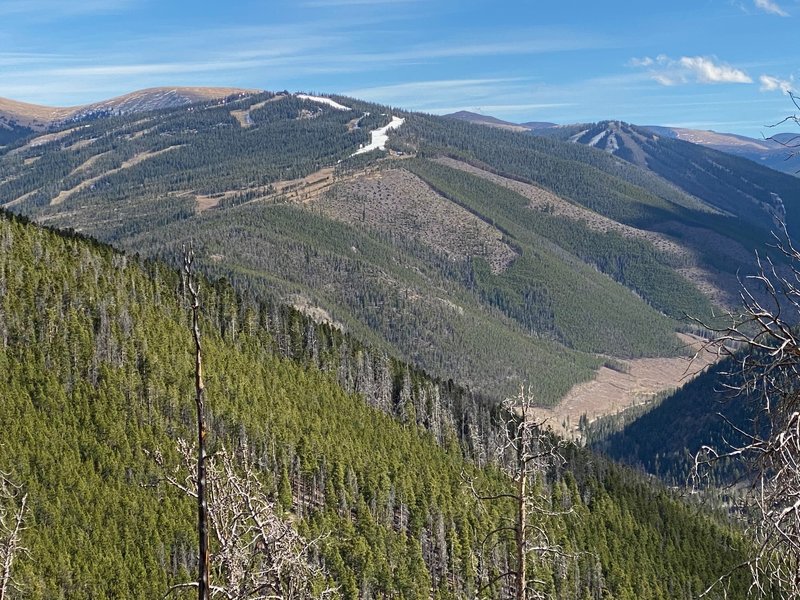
770,152
767,151
35,117
472,117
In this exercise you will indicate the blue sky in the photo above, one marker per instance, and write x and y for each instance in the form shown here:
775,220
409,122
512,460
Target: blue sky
711,64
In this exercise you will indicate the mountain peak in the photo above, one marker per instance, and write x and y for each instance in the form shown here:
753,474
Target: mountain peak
38,117
479,119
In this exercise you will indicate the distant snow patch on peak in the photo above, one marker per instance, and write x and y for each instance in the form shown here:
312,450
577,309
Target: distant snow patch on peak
380,136
612,145
323,100
577,136
596,139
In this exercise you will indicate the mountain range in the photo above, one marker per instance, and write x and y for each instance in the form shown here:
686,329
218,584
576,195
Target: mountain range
20,119
769,151
489,256
374,282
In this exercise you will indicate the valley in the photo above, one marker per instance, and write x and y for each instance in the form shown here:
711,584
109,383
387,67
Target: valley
412,228
626,384
375,282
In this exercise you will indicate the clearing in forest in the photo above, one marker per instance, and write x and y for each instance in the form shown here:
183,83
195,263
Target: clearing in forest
635,382
399,203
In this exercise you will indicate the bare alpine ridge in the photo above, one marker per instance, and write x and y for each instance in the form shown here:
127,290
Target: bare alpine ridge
39,118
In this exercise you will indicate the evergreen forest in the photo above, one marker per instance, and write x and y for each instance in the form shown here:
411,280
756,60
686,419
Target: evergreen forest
97,364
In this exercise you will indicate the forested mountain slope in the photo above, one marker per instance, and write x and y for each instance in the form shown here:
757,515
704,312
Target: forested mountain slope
488,256
35,117
770,152
663,439
96,361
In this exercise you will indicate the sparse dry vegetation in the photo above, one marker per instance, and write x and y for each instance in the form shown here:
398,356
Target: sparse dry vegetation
629,383
398,202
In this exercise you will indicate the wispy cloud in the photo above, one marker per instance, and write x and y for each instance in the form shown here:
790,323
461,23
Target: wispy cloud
267,56
361,3
498,96
53,9
521,43
431,95
771,7
501,110
422,87
771,84
690,69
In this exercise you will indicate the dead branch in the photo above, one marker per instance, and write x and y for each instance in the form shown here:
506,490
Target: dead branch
258,554
13,504
764,346
526,453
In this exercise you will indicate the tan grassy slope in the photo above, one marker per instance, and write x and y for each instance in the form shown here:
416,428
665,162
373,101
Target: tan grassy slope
39,117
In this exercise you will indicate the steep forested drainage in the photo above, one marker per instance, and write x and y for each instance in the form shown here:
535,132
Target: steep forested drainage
96,361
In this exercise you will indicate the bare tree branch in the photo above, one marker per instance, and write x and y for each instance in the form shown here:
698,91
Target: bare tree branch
13,504
258,555
764,346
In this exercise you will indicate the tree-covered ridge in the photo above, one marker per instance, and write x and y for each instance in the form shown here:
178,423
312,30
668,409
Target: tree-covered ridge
229,176
555,275
398,295
97,365
10,132
210,152
674,184
663,438
758,194
596,180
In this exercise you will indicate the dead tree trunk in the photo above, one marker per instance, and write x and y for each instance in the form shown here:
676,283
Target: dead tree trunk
521,533
12,514
192,284
526,454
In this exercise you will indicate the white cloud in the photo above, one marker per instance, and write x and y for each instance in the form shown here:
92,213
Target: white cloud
771,7
707,71
690,69
641,62
771,84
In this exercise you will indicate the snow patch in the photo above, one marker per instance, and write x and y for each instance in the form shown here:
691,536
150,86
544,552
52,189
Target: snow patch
612,145
380,136
322,100
596,139
577,136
